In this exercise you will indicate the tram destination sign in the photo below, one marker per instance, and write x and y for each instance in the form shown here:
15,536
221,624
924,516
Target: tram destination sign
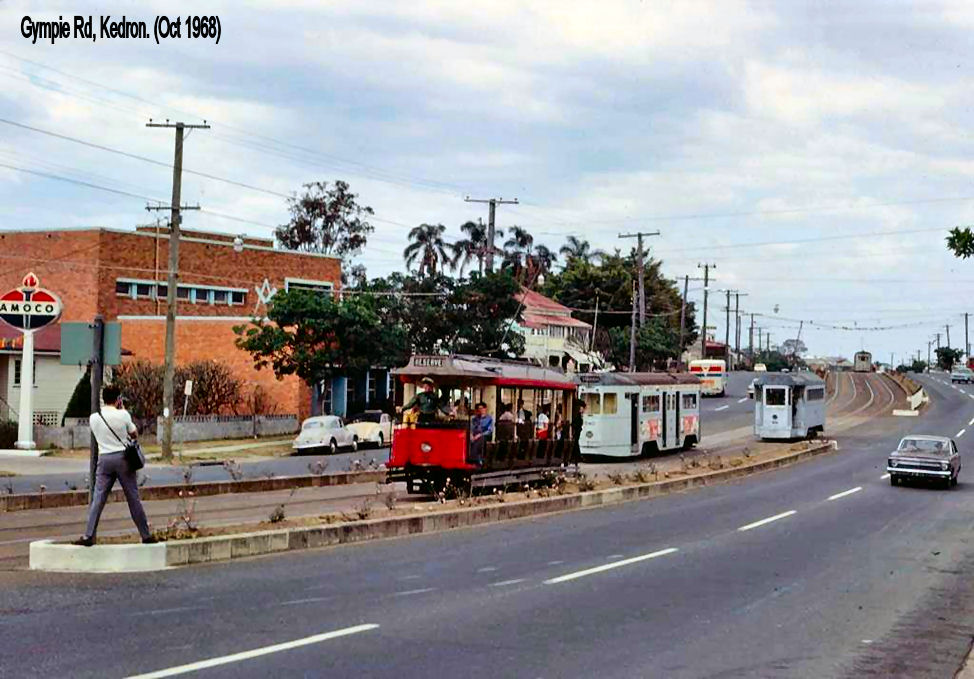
428,361
29,307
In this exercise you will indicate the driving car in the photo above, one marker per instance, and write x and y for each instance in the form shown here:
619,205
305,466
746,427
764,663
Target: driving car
324,431
924,457
760,368
372,426
965,375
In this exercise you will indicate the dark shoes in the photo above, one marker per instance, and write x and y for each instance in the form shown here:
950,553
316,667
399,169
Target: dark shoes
151,540
84,542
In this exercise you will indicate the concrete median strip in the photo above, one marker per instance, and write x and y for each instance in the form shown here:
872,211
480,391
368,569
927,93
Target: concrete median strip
60,557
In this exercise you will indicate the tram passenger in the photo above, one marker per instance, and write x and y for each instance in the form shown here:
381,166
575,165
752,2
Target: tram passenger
430,403
481,429
411,417
577,433
507,414
541,424
523,414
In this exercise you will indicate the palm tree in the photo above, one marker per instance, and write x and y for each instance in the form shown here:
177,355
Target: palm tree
576,248
544,259
472,247
427,245
517,249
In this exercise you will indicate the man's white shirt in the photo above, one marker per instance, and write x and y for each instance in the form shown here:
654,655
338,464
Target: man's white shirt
120,422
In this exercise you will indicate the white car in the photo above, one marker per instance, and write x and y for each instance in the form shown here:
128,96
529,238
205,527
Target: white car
325,431
372,426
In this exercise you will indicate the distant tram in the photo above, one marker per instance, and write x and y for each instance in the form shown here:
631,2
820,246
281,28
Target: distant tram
789,406
863,362
633,414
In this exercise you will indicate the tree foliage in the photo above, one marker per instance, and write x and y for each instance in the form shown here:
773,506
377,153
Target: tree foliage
656,342
427,246
947,357
793,348
326,220
961,241
216,390
79,405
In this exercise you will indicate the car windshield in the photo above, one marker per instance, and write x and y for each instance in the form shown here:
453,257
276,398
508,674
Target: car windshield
316,424
923,446
367,417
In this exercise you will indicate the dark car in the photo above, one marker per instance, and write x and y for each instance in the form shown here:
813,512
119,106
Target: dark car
925,457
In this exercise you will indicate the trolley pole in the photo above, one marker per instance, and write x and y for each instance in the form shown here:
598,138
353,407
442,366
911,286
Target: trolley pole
706,282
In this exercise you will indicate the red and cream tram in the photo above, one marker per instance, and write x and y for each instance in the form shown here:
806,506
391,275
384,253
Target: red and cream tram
426,454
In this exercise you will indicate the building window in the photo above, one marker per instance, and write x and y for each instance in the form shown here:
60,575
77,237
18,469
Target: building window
123,288
238,298
144,289
17,372
183,293
220,297
326,398
162,290
194,294
349,395
323,287
372,387
556,330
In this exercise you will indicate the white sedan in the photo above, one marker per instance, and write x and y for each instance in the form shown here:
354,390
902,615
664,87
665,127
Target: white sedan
372,426
325,431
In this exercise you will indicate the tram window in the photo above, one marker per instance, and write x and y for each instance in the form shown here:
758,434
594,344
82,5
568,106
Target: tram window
610,405
651,403
774,396
593,403
816,394
689,401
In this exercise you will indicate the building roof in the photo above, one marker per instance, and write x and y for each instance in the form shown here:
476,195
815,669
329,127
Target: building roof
541,311
47,340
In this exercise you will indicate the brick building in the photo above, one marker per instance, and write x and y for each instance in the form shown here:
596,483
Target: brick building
122,275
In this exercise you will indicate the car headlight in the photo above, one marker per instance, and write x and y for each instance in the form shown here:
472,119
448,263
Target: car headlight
589,434
425,447
892,463
945,466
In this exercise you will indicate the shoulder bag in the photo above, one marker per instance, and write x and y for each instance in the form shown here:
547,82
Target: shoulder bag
133,451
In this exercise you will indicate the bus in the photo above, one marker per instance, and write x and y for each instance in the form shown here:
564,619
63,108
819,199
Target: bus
638,414
712,374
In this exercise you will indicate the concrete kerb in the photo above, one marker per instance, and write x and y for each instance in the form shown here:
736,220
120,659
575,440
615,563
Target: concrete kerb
227,547
74,498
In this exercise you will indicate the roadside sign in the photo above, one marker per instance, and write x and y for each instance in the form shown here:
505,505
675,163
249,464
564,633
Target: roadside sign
188,388
29,307
76,341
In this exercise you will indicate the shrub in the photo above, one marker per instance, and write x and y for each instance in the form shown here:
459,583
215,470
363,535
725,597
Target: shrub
8,434
215,388
80,403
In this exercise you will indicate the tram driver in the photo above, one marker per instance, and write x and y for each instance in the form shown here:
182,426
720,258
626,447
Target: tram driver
430,403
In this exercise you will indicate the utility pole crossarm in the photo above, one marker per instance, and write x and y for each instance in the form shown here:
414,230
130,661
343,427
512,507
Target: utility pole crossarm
492,204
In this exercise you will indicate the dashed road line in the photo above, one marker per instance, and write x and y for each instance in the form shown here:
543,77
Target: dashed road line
845,493
255,653
717,410
506,583
555,563
742,400
609,566
312,600
884,477
768,520
410,592
487,569
961,433
971,423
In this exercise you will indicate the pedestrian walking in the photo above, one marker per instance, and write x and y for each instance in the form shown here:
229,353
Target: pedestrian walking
112,426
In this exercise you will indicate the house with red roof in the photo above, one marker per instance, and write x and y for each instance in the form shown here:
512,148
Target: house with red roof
552,337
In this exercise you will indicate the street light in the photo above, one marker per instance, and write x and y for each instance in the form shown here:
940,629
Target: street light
238,244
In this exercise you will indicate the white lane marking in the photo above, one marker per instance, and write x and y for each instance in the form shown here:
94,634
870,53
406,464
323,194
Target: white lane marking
884,477
487,569
609,566
555,563
971,395
505,583
615,556
160,611
961,433
256,653
410,592
767,520
971,423
315,599
717,410
962,391
742,400
845,492
410,577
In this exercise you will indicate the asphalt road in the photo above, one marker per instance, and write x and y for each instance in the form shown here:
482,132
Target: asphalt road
821,569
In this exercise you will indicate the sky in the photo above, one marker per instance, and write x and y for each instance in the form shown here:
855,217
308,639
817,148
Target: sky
816,152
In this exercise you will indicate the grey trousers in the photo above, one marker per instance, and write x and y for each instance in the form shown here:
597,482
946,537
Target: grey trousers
113,466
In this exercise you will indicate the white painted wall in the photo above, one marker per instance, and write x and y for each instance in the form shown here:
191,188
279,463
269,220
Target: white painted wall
54,384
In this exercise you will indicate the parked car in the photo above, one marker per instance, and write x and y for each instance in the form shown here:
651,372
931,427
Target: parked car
324,431
965,375
372,426
924,457
760,368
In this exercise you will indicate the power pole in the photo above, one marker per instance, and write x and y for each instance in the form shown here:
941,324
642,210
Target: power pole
767,337
938,340
750,342
168,399
967,342
948,335
928,352
730,361
632,333
492,204
640,268
760,341
683,322
706,281
737,326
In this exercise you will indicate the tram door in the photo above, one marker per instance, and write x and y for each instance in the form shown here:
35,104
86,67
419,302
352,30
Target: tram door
671,420
633,421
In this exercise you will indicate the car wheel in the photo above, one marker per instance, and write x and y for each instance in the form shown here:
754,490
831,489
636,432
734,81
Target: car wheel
333,447
893,480
354,443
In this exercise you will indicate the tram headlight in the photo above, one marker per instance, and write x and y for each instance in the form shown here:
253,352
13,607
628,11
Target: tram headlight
589,434
425,447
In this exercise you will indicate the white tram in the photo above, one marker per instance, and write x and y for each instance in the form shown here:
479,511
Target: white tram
633,414
863,362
